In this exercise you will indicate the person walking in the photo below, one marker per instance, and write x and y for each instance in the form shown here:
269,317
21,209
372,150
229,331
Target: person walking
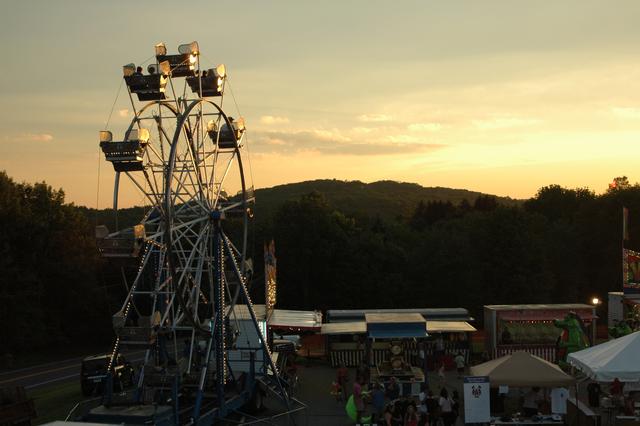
393,389
460,364
455,407
432,408
377,402
423,409
446,407
358,398
439,352
411,418
387,417
342,377
441,375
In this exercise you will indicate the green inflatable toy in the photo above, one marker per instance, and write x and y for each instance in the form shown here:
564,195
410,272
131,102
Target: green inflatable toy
352,412
572,339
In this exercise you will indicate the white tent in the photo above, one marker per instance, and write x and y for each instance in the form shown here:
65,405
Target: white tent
616,358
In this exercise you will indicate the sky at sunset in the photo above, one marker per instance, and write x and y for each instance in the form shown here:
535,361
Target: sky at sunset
501,97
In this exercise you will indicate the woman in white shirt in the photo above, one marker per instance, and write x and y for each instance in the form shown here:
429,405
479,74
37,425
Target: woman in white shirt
446,407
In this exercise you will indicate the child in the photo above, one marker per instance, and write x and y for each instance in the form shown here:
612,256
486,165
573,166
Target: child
336,390
441,375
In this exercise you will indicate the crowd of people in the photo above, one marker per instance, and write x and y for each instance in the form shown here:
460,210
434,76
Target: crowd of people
390,408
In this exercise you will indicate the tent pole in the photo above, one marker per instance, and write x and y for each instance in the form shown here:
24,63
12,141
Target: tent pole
577,406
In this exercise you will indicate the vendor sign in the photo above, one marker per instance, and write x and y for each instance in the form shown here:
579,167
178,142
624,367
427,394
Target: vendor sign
476,399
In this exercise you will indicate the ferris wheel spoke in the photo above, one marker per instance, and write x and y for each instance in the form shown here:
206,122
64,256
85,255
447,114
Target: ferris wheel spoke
181,180
178,227
186,266
202,251
152,150
153,185
134,285
151,196
222,179
195,161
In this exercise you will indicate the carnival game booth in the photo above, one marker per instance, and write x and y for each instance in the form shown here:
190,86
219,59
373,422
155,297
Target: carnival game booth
346,334
531,328
623,313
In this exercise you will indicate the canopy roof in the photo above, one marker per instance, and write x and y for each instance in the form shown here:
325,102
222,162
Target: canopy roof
431,314
287,318
280,318
618,358
449,327
540,306
395,325
360,327
521,369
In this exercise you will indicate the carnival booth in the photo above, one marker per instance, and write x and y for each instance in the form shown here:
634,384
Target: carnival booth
393,334
281,322
533,328
346,334
623,314
524,371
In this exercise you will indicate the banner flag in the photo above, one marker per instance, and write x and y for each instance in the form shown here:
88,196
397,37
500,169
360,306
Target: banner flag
270,273
625,224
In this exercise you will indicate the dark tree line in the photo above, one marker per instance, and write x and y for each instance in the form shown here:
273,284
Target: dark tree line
50,293
563,245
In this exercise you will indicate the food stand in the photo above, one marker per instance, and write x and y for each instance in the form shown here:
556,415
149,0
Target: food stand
346,334
395,331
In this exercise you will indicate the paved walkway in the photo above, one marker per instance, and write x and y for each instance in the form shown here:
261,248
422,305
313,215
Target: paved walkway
323,409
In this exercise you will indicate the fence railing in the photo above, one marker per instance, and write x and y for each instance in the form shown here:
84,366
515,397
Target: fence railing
546,352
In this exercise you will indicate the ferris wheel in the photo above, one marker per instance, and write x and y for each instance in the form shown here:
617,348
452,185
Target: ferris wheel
184,155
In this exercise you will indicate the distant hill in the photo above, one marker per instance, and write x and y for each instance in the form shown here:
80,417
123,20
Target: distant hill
386,198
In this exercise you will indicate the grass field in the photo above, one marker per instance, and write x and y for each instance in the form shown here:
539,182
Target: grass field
55,401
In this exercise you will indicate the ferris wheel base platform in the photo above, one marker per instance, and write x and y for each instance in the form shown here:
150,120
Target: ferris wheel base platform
133,414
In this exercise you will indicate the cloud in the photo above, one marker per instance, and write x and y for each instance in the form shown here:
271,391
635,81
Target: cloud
273,119
504,123
404,139
37,137
330,136
626,112
331,142
374,118
424,127
364,130
123,113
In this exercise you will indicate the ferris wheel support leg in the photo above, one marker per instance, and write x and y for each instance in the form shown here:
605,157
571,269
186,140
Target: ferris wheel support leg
247,299
219,309
203,376
116,185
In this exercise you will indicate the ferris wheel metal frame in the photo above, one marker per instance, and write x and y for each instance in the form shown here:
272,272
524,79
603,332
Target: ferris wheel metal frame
190,276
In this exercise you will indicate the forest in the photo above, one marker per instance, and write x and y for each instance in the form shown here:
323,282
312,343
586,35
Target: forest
338,245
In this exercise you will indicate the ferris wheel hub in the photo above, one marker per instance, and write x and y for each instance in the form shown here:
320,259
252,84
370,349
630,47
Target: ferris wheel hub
216,215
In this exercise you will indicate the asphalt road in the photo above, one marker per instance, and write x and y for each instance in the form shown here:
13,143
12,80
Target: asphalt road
53,372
